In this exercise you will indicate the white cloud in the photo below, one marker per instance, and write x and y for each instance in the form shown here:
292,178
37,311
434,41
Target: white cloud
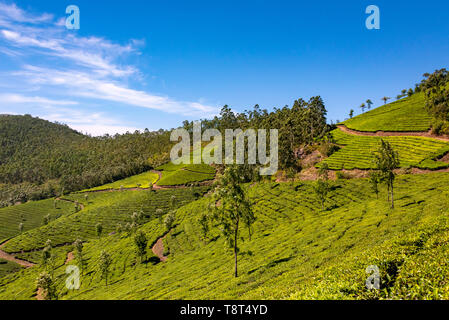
57,62
15,14
21,99
84,85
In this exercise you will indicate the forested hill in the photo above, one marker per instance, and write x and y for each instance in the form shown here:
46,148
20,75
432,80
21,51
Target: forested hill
39,158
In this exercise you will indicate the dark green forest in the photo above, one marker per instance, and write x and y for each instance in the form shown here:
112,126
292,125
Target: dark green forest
40,159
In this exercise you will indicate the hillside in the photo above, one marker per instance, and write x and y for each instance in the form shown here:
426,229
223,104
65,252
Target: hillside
294,244
357,151
39,159
301,246
407,114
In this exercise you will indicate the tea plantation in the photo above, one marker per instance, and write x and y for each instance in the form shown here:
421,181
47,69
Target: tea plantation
297,250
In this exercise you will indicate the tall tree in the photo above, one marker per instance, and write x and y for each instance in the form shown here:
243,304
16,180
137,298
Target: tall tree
385,99
437,94
78,245
141,242
104,265
46,286
369,103
386,160
363,106
232,208
351,113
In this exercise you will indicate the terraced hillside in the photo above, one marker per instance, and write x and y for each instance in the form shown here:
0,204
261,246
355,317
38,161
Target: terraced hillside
357,151
107,208
31,215
138,181
297,250
407,114
173,175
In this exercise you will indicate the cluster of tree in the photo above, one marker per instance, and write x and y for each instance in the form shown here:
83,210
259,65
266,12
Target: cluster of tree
436,90
386,161
40,159
302,124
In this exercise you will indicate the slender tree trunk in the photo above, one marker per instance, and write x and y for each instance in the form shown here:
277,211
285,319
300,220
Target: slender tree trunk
392,196
388,191
235,247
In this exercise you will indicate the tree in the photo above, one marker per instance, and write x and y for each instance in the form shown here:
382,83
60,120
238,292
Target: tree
322,187
159,215
386,160
437,94
363,106
369,103
410,92
99,229
351,113
46,286
204,223
46,220
321,190
141,242
385,99
104,265
77,206
78,245
169,220
232,208
46,255
172,202
374,180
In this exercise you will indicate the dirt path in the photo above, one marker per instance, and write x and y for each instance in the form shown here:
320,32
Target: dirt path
70,257
427,134
158,249
71,201
12,258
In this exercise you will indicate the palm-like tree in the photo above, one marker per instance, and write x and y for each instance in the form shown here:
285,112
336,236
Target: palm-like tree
385,99
369,103
363,106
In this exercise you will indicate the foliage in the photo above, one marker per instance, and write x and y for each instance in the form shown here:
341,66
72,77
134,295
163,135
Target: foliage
232,207
46,285
141,242
386,160
408,114
104,265
39,158
357,151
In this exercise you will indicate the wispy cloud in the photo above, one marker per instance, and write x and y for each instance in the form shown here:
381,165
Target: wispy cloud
66,64
21,99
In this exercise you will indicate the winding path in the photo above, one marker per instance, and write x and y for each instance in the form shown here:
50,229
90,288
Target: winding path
9,257
427,134
71,201
158,249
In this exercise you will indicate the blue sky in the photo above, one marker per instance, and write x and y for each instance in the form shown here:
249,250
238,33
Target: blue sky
152,64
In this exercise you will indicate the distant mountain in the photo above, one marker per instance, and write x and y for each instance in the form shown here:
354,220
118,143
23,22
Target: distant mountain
39,158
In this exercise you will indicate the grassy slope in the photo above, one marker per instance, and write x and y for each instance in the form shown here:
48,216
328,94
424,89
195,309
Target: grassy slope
407,114
294,244
7,267
31,214
357,152
107,208
143,180
182,174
